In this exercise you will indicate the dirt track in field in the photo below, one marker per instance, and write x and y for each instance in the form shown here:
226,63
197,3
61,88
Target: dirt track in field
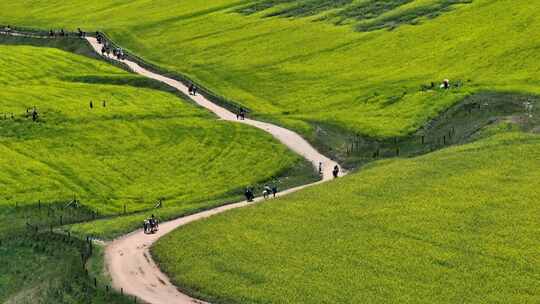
128,258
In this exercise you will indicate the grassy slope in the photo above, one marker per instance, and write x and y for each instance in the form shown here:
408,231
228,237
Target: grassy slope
457,225
144,145
279,67
46,270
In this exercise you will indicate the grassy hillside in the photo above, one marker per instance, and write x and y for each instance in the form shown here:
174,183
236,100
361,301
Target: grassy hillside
137,143
458,225
46,270
357,65
141,146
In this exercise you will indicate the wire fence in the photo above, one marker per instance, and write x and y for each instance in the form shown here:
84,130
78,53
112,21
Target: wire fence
38,239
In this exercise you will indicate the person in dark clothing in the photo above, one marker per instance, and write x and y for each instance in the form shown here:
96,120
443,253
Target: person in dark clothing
35,115
274,190
247,194
195,90
446,84
335,172
91,105
242,114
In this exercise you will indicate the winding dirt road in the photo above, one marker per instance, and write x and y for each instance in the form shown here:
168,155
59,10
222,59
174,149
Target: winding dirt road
128,258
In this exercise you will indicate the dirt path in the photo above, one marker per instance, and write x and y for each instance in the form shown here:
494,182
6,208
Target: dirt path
128,258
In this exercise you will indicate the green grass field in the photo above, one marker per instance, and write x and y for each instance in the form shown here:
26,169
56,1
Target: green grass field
353,76
145,144
46,270
456,226
142,146
321,62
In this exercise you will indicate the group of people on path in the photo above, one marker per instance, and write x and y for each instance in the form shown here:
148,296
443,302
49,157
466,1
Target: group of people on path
150,225
267,192
119,53
107,49
335,171
192,90
241,114
116,52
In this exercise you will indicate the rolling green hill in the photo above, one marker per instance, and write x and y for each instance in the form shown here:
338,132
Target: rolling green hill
357,65
137,143
135,146
458,225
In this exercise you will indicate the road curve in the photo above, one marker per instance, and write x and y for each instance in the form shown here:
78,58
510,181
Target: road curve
128,258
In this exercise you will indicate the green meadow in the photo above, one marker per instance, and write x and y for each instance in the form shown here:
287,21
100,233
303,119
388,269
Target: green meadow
46,270
458,225
135,146
358,78
138,143
351,64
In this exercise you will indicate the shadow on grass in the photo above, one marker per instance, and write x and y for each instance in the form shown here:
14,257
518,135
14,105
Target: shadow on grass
456,125
369,15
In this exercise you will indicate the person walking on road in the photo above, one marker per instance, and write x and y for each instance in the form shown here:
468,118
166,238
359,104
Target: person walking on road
242,114
249,194
335,172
